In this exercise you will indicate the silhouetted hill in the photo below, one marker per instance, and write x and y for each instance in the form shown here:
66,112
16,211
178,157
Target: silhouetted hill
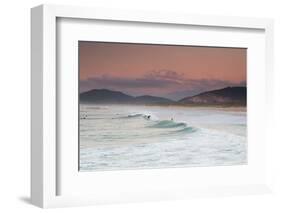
228,95
100,96
105,96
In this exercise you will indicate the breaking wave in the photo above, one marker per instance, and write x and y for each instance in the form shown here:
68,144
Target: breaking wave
171,125
176,127
168,124
137,115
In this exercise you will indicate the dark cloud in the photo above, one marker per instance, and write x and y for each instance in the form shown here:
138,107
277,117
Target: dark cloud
129,83
153,79
165,74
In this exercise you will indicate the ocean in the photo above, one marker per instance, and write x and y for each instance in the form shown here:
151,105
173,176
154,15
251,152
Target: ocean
116,137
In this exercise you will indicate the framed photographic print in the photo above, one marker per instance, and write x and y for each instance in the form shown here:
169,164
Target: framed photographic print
130,106
191,111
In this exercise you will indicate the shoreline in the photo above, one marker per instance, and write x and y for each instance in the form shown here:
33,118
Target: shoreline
233,108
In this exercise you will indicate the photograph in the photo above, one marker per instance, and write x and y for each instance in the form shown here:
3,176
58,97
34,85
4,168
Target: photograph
151,106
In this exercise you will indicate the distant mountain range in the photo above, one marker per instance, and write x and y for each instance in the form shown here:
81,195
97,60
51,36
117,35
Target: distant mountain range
225,96
116,97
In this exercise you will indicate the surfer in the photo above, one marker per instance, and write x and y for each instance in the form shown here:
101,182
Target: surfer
147,117
172,119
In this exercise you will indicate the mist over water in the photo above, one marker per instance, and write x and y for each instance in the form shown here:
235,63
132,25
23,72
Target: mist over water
116,137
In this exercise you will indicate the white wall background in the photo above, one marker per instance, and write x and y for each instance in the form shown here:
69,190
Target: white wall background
15,99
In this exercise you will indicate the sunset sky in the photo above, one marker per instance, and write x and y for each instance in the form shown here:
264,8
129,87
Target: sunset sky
160,70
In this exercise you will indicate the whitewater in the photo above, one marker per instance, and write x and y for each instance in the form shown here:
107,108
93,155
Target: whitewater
114,137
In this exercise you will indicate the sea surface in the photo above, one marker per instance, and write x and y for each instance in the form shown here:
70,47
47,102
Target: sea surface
114,137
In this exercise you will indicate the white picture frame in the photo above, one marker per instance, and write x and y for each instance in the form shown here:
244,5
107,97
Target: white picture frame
46,168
